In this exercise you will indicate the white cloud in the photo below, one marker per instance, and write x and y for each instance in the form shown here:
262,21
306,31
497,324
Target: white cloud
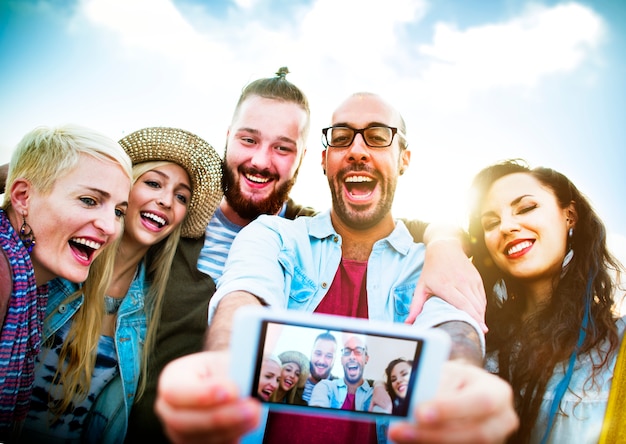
334,48
520,52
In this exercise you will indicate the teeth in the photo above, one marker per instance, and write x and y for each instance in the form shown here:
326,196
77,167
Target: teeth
519,247
154,217
86,242
356,179
257,179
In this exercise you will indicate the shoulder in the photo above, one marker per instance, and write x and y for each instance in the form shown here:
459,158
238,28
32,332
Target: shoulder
417,228
295,210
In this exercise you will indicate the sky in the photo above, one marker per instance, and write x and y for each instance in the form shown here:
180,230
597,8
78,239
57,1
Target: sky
477,81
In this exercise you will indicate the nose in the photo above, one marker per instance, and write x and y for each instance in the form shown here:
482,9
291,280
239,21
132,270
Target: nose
261,158
165,199
358,151
509,224
108,223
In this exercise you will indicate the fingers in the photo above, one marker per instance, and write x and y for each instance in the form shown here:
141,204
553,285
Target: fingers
420,296
198,402
472,406
222,424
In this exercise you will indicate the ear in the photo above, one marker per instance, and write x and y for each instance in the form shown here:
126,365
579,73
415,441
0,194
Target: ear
405,160
324,153
20,195
571,215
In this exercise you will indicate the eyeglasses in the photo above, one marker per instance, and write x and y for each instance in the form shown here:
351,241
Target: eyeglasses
358,351
343,136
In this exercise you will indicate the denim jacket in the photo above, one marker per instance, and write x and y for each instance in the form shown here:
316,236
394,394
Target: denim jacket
295,262
332,394
309,252
108,420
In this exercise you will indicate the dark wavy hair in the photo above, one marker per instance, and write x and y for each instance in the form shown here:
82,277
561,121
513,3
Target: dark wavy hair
398,404
529,349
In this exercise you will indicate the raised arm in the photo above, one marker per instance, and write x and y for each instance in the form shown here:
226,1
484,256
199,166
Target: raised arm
449,274
221,326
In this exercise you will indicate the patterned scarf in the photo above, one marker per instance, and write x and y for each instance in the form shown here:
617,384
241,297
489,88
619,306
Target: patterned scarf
20,339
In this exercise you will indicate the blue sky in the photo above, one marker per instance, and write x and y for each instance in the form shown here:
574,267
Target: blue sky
476,81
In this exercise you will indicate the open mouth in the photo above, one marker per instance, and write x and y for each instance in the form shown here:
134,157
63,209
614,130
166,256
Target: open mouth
152,218
352,368
266,393
83,248
257,179
360,187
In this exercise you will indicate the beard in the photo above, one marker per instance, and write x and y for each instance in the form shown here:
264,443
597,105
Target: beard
319,376
245,207
365,219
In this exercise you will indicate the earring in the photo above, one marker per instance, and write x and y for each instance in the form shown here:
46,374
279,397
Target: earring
26,235
570,252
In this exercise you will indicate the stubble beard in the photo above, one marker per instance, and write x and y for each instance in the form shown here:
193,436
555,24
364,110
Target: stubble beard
356,219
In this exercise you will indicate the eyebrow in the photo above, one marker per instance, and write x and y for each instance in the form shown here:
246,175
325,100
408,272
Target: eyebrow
513,202
369,125
257,132
162,174
104,194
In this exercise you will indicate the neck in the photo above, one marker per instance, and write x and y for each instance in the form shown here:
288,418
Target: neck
232,215
125,267
280,394
536,294
352,388
357,244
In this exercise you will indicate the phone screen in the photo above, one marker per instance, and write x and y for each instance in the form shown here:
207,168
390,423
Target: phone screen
317,368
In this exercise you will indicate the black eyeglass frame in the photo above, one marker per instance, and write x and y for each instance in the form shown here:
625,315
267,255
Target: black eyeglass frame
326,143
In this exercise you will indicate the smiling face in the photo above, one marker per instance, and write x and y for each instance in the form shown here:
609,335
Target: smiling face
157,204
289,376
268,378
363,179
353,359
264,150
525,229
322,359
400,376
80,215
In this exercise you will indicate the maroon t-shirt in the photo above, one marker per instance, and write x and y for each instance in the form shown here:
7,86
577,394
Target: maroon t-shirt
347,296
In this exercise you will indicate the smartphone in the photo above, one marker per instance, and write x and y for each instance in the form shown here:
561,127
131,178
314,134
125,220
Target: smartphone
362,350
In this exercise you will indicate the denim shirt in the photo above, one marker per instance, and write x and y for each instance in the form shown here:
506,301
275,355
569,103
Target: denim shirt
309,252
108,420
332,394
294,262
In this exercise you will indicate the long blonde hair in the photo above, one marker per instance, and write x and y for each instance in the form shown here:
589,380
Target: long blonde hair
77,356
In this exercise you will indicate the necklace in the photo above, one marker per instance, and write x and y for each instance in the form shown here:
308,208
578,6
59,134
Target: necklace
111,305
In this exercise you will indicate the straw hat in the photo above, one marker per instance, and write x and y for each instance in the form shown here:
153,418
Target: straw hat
196,156
298,358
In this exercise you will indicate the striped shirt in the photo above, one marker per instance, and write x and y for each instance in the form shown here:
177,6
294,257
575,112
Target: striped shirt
218,238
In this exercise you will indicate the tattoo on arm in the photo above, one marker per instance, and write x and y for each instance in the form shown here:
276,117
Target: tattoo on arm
465,342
